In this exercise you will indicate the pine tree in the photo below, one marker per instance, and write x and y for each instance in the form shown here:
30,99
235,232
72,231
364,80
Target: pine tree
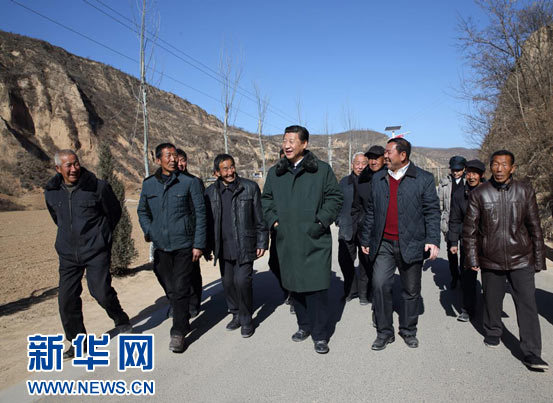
123,250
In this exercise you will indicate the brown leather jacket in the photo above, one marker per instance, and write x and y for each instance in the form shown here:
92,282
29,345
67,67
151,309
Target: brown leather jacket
502,228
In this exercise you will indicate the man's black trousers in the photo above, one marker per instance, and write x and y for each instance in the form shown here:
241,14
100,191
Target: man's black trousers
196,297
312,312
98,279
468,285
174,272
237,284
354,284
523,290
453,259
274,266
387,259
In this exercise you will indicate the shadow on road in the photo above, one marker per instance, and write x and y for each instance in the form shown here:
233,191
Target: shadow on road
22,304
43,294
449,299
267,296
336,303
544,299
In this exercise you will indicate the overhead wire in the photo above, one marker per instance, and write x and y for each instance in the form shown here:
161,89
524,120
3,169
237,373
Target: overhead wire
210,73
127,57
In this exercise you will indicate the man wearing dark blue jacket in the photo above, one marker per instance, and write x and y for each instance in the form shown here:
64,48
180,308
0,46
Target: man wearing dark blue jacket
171,212
402,222
86,211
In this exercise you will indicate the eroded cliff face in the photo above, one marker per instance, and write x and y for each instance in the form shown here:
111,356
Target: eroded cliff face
51,100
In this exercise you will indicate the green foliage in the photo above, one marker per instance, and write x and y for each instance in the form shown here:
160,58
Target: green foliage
123,250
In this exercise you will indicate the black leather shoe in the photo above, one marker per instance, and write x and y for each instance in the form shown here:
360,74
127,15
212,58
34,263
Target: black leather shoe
381,343
176,344
411,341
321,347
463,316
535,362
491,341
300,335
288,298
69,353
247,331
233,324
124,328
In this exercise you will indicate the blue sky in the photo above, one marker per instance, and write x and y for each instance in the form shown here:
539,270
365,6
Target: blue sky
390,63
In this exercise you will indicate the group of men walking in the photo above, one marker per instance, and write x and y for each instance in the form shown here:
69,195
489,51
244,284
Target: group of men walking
387,210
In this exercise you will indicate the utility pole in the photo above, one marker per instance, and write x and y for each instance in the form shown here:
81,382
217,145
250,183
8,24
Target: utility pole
144,102
143,95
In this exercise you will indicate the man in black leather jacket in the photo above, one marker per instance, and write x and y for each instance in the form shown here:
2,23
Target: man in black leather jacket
237,236
503,238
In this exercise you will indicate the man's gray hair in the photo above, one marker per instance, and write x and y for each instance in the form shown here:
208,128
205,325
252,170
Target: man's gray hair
356,154
63,153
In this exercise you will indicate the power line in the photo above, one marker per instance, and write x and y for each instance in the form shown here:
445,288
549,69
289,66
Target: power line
126,56
211,73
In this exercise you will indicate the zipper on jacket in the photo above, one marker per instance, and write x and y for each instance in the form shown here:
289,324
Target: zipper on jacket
76,247
165,207
504,221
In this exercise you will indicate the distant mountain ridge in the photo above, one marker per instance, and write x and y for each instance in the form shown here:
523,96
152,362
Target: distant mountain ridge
51,99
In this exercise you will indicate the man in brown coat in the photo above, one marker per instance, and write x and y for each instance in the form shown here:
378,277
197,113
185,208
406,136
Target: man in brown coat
503,237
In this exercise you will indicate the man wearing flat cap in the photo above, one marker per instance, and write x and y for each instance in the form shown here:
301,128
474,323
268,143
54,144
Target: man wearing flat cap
375,156
446,188
474,173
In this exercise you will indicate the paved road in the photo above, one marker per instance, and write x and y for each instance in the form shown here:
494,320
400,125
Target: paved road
451,364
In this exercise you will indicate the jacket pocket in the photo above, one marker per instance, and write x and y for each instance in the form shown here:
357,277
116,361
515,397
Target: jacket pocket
188,228
490,216
88,208
180,202
316,230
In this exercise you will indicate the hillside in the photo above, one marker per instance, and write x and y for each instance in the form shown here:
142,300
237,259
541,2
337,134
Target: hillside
51,99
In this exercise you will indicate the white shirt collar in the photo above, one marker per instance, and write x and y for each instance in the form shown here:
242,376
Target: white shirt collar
400,172
296,164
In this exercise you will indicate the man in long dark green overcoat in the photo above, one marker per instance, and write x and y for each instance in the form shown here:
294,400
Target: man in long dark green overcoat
301,198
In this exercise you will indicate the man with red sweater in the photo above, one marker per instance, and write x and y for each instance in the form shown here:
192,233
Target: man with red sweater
401,224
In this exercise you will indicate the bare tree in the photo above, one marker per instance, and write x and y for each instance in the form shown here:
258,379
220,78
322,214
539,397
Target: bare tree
262,105
329,136
230,70
349,121
299,111
511,88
